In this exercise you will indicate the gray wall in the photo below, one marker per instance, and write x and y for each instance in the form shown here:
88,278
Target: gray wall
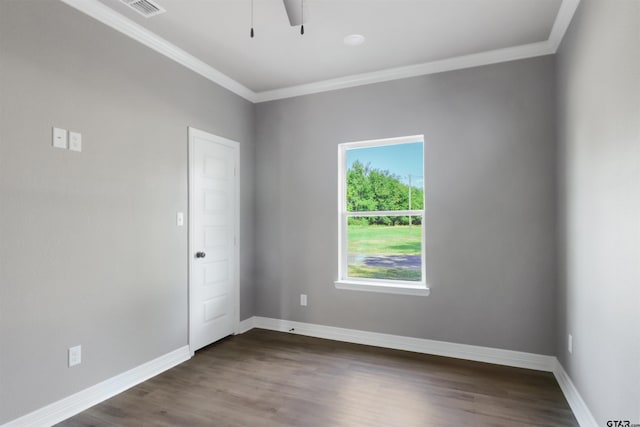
90,254
89,250
490,201
599,134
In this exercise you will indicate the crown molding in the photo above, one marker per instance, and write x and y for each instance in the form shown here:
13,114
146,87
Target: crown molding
126,26
549,47
115,20
450,64
561,25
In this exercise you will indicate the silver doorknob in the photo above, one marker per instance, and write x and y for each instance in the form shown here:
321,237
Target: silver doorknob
200,255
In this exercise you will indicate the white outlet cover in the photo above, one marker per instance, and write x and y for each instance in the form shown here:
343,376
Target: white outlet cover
59,138
179,219
75,141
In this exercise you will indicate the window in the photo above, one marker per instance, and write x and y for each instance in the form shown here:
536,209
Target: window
381,208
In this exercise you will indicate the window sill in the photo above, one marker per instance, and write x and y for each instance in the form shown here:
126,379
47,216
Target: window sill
383,287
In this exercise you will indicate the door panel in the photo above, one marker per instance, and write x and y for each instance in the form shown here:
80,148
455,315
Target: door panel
213,281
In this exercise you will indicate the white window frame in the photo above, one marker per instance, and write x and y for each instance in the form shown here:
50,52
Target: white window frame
367,284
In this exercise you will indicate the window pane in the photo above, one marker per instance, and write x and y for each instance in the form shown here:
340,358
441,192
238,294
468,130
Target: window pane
385,178
379,249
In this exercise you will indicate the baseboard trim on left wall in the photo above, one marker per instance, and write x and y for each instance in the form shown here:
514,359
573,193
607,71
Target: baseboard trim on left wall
76,403
82,400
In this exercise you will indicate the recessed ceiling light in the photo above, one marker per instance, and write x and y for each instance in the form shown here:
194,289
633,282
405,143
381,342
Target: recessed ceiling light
354,40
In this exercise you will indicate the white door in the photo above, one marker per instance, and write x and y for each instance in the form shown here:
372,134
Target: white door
213,237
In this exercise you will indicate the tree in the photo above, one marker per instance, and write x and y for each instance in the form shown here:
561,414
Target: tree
370,189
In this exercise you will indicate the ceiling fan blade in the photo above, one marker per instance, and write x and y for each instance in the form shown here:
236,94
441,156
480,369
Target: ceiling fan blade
294,12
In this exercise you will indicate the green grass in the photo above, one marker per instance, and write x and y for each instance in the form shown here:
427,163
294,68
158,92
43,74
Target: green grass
364,271
385,240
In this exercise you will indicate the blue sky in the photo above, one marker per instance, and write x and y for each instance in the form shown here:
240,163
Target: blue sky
401,160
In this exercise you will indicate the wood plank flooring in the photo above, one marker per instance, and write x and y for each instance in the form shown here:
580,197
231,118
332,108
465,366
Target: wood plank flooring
266,378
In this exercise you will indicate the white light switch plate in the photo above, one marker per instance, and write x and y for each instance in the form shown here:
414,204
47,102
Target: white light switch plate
75,355
75,141
179,219
59,138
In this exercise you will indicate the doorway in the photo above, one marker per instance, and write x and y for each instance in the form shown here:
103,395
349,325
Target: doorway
214,294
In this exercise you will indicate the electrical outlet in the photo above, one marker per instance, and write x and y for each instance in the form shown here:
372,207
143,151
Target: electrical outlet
303,299
75,355
570,344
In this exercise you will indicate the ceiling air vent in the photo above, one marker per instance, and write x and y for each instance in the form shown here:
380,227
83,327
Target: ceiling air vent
146,8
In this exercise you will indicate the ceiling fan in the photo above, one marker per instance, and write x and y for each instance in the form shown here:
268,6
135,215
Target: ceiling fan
295,13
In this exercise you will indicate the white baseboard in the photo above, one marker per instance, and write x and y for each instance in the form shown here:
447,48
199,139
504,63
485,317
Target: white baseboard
440,348
459,351
576,403
78,402
246,325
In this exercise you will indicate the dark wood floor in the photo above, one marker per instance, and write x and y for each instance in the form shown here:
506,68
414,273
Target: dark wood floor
265,378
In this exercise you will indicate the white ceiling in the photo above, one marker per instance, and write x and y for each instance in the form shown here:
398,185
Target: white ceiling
404,35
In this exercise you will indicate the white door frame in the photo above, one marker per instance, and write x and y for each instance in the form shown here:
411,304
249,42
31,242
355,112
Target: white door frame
193,132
